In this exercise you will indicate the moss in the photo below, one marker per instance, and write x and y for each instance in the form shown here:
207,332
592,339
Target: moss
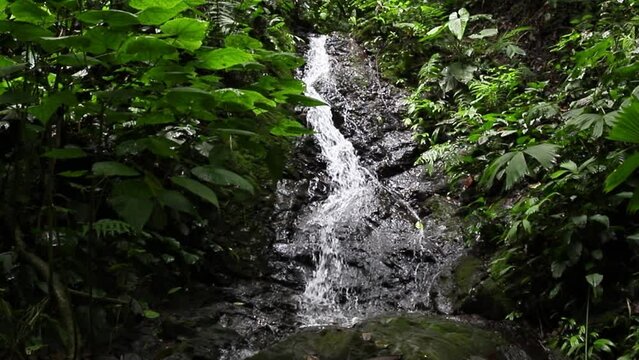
326,344
416,337
410,336
468,273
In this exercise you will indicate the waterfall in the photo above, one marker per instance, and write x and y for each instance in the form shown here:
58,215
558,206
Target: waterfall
352,188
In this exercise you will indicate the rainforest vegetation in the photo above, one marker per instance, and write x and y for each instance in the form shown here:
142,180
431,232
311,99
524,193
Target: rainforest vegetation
135,133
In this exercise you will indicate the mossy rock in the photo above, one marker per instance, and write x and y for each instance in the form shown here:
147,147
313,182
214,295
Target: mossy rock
406,337
489,300
457,282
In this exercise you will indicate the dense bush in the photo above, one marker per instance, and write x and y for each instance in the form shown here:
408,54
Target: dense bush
532,106
128,130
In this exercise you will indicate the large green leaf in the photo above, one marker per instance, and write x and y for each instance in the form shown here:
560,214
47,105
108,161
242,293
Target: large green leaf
73,173
136,187
111,17
596,123
24,31
146,48
155,118
219,176
485,33
626,125
65,153
224,58
113,168
50,104
53,43
592,55
103,39
303,100
135,211
158,15
456,73
464,73
197,188
30,12
457,22
513,164
287,127
241,41
145,4
176,201
623,172
188,98
77,59
434,32
280,60
170,74
188,32
633,205
594,279
157,145
242,99
8,66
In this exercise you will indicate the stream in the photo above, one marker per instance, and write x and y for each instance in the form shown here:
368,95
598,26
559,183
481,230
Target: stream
333,287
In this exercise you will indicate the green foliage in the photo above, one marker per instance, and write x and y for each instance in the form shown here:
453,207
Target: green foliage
502,99
126,127
574,341
514,166
632,341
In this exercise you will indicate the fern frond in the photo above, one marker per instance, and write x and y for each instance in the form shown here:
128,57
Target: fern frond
223,14
431,69
110,227
438,156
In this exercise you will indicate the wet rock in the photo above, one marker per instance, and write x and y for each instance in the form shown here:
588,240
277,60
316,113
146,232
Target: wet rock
367,110
388,263
416,186
407,337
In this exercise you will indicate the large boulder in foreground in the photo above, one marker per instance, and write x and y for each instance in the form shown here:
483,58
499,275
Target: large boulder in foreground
405,337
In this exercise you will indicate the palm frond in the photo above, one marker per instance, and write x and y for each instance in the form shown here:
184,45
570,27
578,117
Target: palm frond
545,154
626,124
514,165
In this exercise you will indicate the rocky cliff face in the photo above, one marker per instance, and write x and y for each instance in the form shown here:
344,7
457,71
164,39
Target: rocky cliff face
389,263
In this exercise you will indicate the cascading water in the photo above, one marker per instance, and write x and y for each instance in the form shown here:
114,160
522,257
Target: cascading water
345,244
351,191
354,197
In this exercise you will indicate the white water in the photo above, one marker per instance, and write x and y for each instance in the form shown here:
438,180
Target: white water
352,190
